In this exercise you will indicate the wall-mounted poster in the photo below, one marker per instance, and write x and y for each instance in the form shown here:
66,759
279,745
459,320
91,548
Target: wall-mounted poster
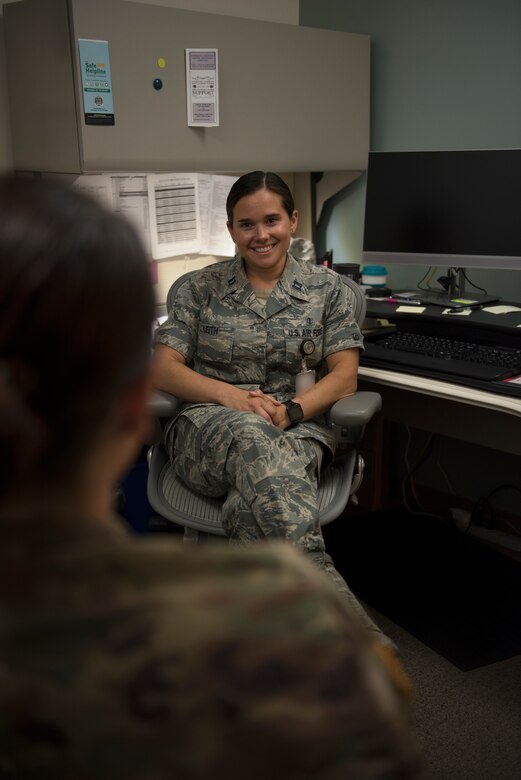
202,87
96,82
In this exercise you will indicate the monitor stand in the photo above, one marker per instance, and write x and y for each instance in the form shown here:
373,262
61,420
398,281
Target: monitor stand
456,297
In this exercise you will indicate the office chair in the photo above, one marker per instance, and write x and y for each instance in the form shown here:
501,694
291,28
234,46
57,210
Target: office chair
339,482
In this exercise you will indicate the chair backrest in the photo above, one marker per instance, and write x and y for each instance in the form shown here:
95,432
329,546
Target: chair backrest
356,295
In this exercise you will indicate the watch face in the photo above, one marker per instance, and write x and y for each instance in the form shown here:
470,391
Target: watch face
295,412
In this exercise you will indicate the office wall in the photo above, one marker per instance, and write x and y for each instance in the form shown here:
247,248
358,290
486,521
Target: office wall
444,75
284,11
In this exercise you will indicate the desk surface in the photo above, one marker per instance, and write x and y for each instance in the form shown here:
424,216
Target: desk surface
464,413
470,414
444,390
478,318
479,325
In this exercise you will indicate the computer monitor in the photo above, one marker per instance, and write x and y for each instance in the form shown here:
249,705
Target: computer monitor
455,209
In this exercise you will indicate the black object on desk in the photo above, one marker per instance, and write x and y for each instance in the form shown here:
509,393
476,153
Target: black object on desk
377,292
468,359
480,349
444,299
457,302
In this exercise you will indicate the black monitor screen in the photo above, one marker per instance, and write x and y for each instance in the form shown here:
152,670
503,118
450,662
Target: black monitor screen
451,208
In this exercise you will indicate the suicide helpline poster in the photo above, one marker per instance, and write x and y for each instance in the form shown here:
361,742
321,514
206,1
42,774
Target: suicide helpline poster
96,82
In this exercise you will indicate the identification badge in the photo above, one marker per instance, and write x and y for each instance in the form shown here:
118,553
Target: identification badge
304,380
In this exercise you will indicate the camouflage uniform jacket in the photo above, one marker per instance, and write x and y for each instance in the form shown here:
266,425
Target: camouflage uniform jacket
137,658
217,323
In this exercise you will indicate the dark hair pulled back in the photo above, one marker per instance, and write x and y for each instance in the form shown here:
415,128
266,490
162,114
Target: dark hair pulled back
76,307
259,180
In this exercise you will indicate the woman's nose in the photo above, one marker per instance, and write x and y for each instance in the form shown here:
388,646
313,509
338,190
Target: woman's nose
261,231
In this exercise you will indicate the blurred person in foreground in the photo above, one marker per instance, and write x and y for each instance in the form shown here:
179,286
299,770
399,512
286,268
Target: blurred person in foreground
137,657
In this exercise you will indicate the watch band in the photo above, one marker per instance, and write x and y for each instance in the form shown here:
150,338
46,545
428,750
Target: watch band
295,412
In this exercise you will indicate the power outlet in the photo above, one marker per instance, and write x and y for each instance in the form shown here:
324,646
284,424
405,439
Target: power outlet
492,535
461,518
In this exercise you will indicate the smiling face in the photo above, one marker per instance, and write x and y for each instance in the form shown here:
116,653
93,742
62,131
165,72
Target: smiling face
262,231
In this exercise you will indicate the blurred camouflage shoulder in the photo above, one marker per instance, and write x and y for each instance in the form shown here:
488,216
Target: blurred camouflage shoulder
142,658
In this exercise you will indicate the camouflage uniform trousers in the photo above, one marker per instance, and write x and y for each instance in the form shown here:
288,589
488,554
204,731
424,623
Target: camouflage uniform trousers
269,478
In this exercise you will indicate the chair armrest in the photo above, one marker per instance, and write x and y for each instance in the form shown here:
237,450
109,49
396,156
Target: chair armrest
162,404
355,410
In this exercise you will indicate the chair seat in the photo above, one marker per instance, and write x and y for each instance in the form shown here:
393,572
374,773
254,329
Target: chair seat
171,499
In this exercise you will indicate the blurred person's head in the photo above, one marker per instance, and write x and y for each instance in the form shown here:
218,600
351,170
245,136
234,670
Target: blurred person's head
76,307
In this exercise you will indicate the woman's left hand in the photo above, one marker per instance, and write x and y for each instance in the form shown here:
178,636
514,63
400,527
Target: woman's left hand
275,409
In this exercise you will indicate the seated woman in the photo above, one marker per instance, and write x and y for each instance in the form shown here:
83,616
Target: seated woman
134,657
240,343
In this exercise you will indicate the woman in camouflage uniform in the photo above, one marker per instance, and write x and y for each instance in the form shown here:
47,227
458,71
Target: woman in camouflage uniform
237,336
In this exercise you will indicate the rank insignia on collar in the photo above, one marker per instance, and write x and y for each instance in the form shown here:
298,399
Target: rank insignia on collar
296,285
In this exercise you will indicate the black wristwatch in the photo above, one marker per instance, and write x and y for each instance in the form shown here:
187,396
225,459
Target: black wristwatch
295,412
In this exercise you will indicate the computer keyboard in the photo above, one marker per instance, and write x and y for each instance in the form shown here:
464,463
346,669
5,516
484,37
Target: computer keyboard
421,352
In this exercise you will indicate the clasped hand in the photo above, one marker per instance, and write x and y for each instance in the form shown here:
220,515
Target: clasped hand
266,406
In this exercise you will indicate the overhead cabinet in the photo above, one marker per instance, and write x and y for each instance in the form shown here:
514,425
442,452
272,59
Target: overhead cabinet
290,98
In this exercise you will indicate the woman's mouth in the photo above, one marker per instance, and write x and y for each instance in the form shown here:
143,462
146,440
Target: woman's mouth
262,250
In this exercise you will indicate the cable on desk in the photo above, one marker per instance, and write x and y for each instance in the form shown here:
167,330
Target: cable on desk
474,285
444,281
424,455
446,476
431,272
